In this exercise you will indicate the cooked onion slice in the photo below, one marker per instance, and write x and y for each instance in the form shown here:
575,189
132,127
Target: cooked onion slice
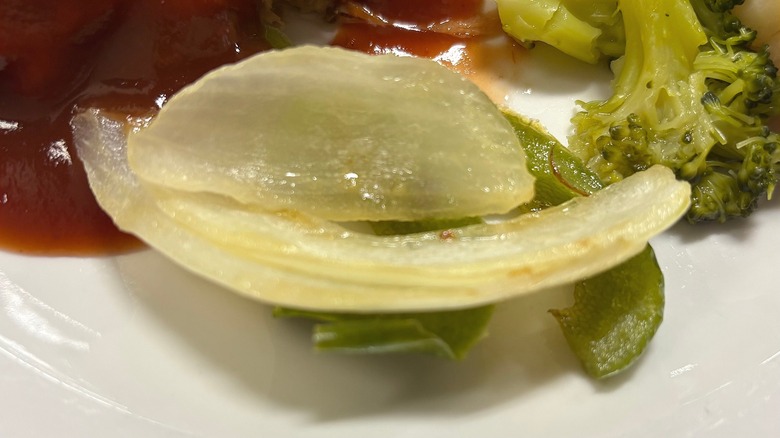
296,259
338,134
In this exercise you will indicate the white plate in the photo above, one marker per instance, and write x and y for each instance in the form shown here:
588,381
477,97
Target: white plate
133,346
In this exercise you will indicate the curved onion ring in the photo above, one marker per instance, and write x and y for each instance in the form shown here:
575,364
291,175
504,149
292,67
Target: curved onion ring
299,260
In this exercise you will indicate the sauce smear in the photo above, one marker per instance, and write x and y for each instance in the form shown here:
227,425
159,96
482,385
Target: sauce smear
427,29
127,56
460,34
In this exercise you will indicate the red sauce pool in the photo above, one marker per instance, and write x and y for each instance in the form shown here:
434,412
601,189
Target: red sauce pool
123,55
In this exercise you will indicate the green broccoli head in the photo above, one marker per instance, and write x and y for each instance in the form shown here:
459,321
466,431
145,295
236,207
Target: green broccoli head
654,114
689,98
757,171
716,17
624,150
741,78
716,197
728,189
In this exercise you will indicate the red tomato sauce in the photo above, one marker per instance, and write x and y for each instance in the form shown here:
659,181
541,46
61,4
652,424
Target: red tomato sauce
408,27
123,55
422,14
459,34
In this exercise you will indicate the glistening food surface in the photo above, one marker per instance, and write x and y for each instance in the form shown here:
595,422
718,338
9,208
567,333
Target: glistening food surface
121,55
138,316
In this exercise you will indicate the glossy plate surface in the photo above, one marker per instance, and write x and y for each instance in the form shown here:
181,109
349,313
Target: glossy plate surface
134,346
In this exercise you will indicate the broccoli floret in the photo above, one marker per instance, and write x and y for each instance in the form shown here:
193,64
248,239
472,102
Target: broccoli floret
741,78
587,30
717,197
716,17
692,98
690,93
654,112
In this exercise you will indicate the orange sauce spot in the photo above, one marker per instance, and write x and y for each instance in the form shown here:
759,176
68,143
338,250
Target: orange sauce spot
458,34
